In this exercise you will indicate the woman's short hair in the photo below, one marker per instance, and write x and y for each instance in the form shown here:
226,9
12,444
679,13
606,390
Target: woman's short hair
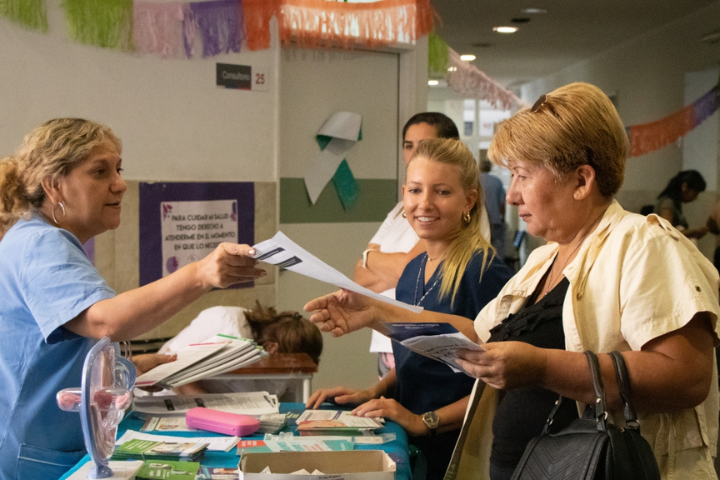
574,125
468,239
292,332
51,150
444,126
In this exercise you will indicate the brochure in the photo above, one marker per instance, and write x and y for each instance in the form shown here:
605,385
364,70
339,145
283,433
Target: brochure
218,473
287,443
216,355
167,469
246,403
122,470
439,341
138,449
335,420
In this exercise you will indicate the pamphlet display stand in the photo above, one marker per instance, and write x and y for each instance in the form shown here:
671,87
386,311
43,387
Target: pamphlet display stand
106,392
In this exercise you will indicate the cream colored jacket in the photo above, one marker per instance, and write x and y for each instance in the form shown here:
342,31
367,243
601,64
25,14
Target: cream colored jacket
634,279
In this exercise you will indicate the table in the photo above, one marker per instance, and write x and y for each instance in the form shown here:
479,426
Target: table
280,366
398,448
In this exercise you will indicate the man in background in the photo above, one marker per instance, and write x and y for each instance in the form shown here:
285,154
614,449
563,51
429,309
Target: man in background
494,203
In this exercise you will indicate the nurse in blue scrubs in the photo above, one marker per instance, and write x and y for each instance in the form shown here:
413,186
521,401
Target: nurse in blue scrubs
62,188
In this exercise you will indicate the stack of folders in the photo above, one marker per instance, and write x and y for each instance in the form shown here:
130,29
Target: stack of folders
217,355
154,450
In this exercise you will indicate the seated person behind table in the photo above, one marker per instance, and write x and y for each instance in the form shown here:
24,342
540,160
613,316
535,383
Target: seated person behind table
285,332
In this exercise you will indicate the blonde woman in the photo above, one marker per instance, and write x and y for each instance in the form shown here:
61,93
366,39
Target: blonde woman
63,187
458,274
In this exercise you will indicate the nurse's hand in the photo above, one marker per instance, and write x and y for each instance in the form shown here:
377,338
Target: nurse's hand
505,365
229,264
339,396
342,312
390,409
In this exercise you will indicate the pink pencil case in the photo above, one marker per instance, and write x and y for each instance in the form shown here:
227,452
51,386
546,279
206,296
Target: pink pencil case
221,422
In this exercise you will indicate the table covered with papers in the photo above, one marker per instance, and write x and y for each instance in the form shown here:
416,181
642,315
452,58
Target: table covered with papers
397,448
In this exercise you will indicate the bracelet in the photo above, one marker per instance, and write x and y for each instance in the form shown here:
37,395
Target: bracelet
365,257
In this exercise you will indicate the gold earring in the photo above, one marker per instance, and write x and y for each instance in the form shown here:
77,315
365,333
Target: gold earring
466,217
403,214
62,208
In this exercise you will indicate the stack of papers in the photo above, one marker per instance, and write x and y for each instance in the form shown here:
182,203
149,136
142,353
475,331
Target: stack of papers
137,449
288,443
254,404
217,355
218,473
272,423
219,444
335,422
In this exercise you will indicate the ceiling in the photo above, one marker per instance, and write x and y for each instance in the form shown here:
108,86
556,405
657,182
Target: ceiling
569,32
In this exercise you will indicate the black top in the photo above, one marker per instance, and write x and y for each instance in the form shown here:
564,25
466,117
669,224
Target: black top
522,412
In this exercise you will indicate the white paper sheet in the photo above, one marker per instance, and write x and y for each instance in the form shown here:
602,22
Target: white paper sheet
285,253
220,444
247,403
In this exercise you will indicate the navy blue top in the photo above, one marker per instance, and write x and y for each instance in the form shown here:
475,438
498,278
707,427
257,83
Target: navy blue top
423,384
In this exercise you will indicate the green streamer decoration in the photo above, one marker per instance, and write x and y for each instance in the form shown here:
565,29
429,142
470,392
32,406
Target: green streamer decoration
438,55
28,13
107,24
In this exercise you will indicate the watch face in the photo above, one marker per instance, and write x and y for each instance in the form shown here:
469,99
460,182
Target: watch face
431,419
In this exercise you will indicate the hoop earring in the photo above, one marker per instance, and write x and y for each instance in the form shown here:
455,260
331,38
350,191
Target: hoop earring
466,217
62,208
403,214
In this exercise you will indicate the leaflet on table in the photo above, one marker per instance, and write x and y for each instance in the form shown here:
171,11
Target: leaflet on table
216,355
439,341
335,419
294,444
220,444
285,253
245,403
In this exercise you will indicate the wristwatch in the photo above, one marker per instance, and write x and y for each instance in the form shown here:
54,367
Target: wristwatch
432,421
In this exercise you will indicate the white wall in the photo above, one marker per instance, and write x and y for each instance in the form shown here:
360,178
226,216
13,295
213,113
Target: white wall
174,122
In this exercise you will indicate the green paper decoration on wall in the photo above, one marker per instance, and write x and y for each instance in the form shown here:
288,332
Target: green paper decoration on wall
106,23
438,55
28,13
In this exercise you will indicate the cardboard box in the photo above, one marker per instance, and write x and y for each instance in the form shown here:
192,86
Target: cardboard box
348,465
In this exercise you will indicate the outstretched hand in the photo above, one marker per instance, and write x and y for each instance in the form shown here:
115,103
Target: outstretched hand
342,312
389,408
229,264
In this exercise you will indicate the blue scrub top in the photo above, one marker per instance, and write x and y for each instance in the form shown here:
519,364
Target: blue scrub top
45,280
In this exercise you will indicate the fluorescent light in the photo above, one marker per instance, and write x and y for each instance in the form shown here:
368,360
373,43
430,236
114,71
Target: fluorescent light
538,11
432,83
467,57
504,29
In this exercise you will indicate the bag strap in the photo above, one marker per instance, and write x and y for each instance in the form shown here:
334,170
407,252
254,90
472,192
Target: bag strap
599,407
600,412
623,380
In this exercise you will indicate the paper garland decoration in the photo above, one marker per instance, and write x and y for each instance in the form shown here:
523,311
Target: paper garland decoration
28,13
468,80
653,136
159,29
438,55
337,135
107,24
221,25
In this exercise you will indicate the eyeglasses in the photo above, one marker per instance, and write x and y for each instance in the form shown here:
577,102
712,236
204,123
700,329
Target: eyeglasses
541,102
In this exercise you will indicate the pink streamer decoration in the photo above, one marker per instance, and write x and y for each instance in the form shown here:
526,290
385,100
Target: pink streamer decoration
159,28
468,80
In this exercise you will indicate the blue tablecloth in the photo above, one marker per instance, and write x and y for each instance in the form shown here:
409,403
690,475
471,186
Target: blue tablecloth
397,448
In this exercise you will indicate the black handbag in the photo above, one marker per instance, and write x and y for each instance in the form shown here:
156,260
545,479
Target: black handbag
591,448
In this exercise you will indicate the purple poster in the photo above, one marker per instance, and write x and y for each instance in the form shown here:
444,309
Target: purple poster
183,222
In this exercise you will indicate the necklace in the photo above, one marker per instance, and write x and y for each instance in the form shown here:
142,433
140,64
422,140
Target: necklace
552,278
417,282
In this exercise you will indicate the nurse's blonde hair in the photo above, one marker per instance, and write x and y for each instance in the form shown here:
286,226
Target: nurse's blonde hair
467,239
49,151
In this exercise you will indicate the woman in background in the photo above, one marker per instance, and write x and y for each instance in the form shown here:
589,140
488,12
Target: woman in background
682,188
61,189
458,274
284,332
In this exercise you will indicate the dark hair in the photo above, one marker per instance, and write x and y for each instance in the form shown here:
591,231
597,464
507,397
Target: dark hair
692,179
445,127
292,332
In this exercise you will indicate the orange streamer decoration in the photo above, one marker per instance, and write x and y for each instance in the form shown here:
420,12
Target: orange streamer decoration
317,23
653,136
